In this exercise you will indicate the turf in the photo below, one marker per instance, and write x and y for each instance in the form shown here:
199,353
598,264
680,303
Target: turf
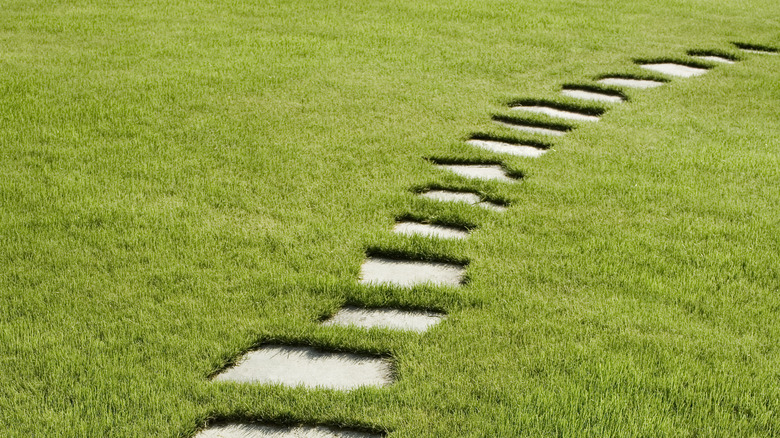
183,181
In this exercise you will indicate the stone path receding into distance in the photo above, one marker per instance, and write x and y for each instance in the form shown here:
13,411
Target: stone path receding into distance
309,367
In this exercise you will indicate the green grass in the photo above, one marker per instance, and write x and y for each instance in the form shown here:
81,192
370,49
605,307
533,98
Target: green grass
182,181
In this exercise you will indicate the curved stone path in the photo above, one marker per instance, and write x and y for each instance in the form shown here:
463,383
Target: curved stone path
305,366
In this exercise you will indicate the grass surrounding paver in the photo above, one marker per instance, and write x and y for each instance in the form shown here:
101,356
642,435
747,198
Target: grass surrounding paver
181,182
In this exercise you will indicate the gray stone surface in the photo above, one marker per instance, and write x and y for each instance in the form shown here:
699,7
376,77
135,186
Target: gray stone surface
532,129
487,172
555,112
631,83
248,430
461,197
713,58
409,228
416,321
304,366
758,52
591,95
500,147
672,69
407,273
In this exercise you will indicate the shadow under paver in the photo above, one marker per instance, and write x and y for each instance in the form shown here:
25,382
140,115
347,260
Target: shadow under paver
500,147
408,228
409,320
486,172
461,197
309,367
641,84
555,112
518,126
407,273
249,430
672,69
583,94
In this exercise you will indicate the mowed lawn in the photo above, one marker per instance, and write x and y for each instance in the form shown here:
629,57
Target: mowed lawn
181,182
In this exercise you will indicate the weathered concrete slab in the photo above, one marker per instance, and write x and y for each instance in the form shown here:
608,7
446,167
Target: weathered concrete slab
501,147
758,51
409,228
486,172
641,84
555,112
461,197
250,430
407,273
305,366
713,58
591,95
517,126
416,321
672,69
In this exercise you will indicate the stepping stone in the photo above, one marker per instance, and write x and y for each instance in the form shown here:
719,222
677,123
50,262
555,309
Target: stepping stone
714,58
555,112
304,366
759,52
579,93
501,147
487,172
630,83
407,273
749,48
461,197
518,126
429,230
672,69
248,430
415,321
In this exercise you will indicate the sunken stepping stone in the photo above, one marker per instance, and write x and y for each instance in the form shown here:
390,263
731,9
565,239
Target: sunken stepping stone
759,50
487,172
555,112
304,366
501,147
415,321
599,96
715,58
246,430
461,197
672,69
519,126
428,230
641,84
407,273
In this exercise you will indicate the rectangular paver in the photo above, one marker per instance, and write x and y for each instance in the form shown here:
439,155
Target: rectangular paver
305,366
